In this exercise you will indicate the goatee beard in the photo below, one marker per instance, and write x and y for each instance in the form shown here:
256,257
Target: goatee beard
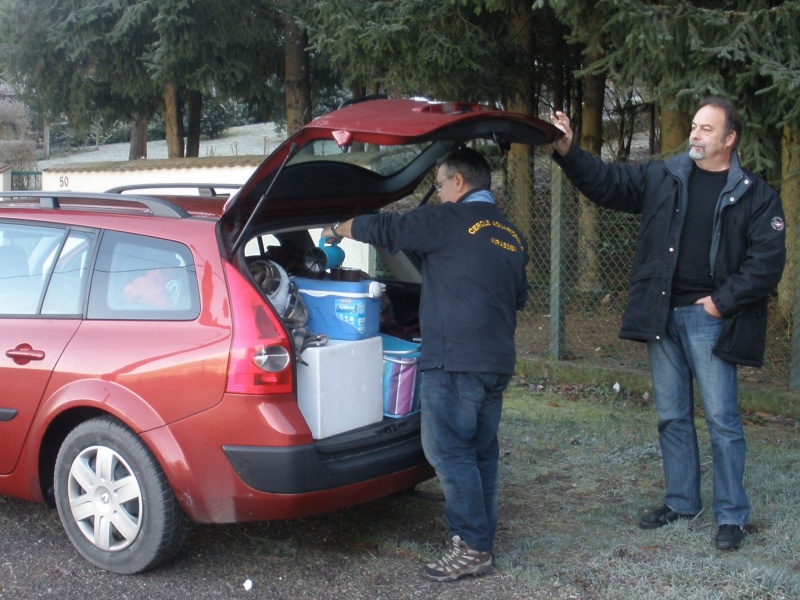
696,152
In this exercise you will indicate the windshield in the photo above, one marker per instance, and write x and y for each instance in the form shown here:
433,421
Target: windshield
383,160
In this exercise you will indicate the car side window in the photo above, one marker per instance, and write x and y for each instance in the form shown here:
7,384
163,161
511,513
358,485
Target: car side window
138,277
24,250
65,292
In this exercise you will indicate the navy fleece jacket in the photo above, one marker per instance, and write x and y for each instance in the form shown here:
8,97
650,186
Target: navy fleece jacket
473,280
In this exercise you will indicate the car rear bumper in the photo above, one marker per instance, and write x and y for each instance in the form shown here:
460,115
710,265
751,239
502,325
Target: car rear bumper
367,453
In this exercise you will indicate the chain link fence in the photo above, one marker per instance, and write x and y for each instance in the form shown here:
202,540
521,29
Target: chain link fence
592,253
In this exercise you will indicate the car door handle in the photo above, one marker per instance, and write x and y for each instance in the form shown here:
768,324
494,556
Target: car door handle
24,353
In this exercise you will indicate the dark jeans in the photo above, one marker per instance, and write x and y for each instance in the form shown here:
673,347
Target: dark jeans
460,417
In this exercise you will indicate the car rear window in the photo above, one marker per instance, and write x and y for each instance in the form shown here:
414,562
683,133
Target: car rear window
383,160
143,278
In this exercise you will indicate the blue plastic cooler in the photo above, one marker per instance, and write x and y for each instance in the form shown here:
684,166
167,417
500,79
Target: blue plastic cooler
342,310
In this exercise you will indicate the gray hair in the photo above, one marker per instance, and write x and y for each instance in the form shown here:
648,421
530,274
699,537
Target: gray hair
473,167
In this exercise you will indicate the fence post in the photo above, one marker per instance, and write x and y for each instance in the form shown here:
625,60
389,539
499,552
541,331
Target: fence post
794,366
558,244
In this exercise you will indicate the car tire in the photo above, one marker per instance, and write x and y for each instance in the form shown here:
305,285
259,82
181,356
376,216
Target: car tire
114,500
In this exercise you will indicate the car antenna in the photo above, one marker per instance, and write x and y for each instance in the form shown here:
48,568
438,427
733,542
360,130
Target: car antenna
264,196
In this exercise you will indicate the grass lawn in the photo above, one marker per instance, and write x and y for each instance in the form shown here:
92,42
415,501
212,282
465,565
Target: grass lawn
579,468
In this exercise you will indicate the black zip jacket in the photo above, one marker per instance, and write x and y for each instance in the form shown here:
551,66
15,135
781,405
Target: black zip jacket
747,254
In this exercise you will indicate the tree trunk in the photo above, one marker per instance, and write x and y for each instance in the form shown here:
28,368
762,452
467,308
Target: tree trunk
138,148
591,140
622,140
359,89
297,80
653,144
172,121
790,195
46,141
195,116
520,156
675,126
560,87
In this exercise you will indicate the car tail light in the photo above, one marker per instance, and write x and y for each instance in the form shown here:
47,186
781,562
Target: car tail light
261,353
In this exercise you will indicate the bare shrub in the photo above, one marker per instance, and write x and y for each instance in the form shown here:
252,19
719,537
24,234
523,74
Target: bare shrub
15,149
20,154
14,120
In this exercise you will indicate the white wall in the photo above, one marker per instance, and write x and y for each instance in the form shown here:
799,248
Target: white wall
102,176
5,179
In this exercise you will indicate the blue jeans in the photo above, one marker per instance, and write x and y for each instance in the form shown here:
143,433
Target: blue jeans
460,417
685,354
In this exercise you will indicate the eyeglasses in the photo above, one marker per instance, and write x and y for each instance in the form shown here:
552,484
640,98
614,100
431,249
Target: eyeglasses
438,185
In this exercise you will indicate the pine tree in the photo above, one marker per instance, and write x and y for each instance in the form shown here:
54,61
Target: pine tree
407,47
67,58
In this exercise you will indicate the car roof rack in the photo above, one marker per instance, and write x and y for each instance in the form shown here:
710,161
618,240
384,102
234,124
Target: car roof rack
158,206
203,189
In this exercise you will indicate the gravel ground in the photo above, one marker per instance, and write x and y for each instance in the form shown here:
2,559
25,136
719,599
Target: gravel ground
343,555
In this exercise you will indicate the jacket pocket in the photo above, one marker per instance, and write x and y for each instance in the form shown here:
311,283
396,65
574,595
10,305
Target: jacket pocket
648,302
742,339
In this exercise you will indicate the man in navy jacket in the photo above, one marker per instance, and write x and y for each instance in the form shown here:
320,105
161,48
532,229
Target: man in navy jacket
473,282
710,249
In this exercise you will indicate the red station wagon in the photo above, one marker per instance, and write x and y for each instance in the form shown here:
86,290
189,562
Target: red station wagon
170,359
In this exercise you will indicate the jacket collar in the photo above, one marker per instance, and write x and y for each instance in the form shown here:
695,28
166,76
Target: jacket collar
477,195
682,166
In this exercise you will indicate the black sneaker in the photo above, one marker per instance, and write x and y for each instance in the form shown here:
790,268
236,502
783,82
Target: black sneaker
662,516
459,562
729,537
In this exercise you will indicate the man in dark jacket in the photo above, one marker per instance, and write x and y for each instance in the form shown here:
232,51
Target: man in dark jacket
709,251
473,282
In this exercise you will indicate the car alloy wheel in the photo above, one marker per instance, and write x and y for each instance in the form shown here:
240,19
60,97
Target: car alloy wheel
114,501
104,498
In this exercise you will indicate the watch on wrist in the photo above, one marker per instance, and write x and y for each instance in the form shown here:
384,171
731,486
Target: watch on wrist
336,233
